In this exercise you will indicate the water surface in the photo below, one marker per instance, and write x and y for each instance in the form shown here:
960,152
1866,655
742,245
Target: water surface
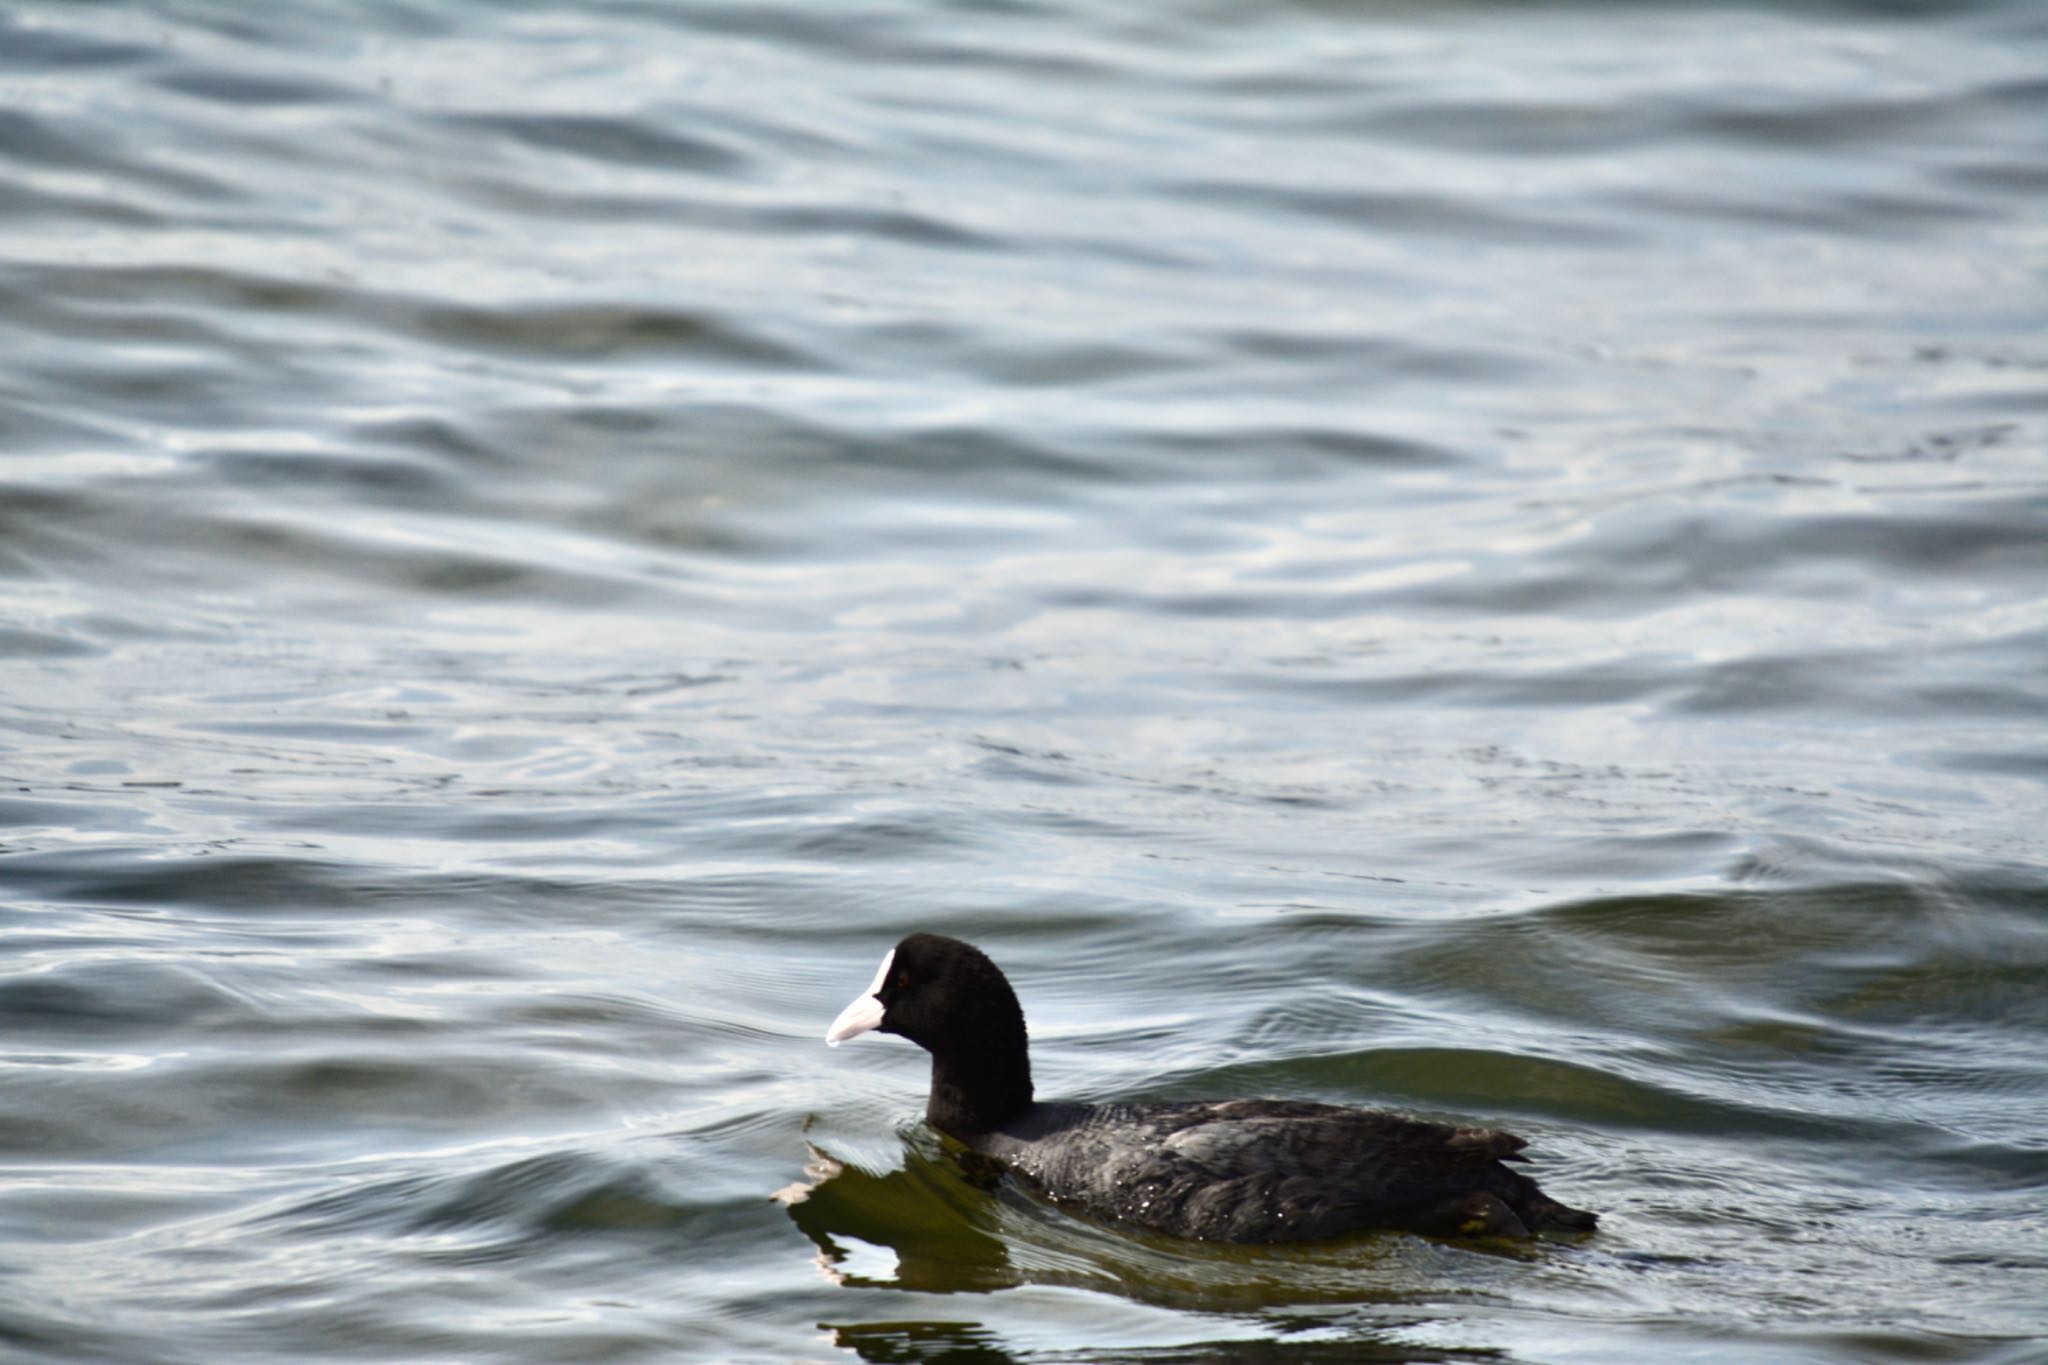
1482,558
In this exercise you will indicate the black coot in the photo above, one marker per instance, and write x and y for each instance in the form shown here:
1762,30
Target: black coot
1220,1170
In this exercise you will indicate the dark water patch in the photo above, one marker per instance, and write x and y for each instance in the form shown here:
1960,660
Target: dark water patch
57,145
302,552
180,384
825,219
1886,124
543,201
502,817
877,839
565,332
210,289
1475,1086
214,881
1664,556
917,229
372,1089
28,425
1067,366
1765,684
30,814
127,321
1365,358
1943,446
244,89
629,142
130,1104
54,1000
2012,763
1009,762
24,203
687,475
1895,216
884,35
1964,701
1436,217
594,331
445,438
2017,178
559,1191
410,483
1598,685
41,47
33,644
1836,950
1510,129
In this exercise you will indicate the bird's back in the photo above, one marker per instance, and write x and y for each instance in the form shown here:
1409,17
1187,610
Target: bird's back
1275,1170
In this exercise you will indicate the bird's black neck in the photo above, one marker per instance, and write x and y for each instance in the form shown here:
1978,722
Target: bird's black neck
979,1093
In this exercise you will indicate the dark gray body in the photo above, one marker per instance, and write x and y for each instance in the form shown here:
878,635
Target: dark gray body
1274,1170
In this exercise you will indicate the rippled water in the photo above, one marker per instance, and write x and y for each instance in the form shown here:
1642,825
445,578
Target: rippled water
1491,559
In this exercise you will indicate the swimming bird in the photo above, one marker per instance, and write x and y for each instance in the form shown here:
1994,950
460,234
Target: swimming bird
1250,1170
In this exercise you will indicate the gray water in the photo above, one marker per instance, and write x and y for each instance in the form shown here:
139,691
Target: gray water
1490,559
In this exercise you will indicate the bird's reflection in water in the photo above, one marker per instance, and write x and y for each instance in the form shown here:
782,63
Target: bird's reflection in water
945,1223
967,1343
924,1213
